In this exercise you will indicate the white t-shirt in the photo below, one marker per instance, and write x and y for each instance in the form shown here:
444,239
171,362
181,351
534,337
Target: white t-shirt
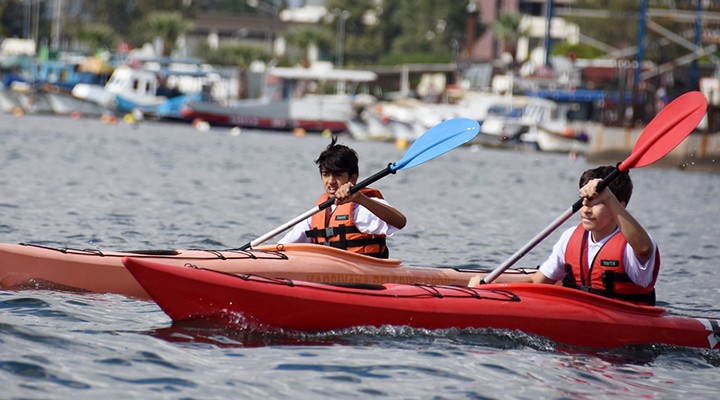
641,274
365,221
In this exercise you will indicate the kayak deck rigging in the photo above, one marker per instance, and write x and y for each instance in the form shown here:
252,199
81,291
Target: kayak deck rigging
365,289
160,253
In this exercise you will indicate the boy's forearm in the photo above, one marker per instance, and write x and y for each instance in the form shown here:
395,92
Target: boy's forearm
383,211
634,233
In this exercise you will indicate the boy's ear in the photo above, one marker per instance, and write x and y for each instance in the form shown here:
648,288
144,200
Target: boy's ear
354,178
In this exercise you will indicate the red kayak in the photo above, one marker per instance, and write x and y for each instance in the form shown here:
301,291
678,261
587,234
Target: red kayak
31,266
566,316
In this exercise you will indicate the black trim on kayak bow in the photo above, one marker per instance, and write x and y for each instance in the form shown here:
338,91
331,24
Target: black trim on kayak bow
353,285
161,253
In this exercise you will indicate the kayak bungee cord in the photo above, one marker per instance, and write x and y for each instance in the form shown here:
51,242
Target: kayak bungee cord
365,289
160,254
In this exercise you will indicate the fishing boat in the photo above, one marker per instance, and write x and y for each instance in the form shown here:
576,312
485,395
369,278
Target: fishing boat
147,91
292,98
401,119
33,266
45,88
567,316
530,123
567,141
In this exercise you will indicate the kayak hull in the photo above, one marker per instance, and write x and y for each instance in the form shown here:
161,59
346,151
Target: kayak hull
563,315
31,266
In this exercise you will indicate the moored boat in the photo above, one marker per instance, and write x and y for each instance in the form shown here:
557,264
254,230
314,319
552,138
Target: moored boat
292,98
28,266
148,91
564,142
564,315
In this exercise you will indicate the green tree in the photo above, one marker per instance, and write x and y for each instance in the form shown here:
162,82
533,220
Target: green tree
303,37
187,8
363,37
232,54
507,29
120,15
430,31
11,19
127,18
268,8
95,36
404,30
169,26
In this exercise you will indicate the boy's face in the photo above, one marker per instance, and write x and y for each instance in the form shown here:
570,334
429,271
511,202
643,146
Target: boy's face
332,181
598,220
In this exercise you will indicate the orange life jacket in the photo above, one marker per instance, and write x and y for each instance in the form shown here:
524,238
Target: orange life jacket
606,275
337,229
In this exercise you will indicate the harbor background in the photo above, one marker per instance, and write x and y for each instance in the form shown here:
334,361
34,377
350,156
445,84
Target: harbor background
403,75
86,184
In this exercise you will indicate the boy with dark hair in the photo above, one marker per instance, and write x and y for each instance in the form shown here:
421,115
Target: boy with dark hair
357,222
609,252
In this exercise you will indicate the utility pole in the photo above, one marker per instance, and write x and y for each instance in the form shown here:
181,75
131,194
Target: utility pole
640,41
548,31
26,25
57,25
694,73
342,16
36,22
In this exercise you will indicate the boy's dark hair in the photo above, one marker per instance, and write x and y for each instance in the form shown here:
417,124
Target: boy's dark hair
621,187
338,158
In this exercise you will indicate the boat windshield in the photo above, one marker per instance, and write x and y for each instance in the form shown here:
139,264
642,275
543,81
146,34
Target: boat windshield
506,111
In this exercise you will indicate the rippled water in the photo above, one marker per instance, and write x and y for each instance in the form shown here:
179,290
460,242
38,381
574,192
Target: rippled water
86,184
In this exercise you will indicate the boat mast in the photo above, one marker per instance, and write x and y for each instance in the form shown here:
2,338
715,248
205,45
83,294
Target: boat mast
57,25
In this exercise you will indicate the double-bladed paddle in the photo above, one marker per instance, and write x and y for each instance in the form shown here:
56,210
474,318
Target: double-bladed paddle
437,141
673,124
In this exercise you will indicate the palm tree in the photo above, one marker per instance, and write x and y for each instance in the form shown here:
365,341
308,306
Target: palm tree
507,30
96,36
169,26
306,37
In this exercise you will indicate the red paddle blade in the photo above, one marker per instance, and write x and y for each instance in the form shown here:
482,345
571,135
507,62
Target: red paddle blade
670,127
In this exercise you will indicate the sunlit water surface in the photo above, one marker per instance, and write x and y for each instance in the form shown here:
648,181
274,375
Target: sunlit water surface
89,185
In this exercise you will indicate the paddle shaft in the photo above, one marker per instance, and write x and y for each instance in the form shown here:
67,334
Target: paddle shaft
327,203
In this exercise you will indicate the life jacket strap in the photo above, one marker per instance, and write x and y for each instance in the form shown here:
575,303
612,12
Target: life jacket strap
569,279
341,232
609,278
380,241
327,233
644,298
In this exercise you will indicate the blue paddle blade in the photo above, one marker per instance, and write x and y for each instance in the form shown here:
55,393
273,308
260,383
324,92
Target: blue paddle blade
437,141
